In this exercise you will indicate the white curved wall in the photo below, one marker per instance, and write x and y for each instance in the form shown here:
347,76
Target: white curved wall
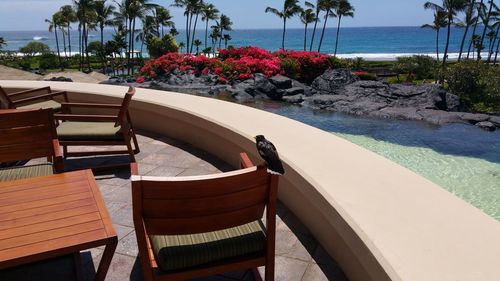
379,220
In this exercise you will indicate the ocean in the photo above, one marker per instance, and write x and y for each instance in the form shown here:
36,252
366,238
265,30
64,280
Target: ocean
372,43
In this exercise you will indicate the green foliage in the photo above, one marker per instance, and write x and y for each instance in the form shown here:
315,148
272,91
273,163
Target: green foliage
25,63
416,67
341,63
34,47
96,49
48,61
476,83
291,67
160,46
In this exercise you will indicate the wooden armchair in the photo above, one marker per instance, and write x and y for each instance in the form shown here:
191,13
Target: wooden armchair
189,227
43,100
77,129
27,135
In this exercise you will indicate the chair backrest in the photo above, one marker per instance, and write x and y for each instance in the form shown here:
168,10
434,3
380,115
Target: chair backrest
176,206
5,101
122,114
26,134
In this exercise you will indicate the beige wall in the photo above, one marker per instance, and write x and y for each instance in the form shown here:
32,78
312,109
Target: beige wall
379,220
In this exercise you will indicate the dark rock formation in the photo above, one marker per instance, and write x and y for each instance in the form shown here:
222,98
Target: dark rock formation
333,80
60,79
486,125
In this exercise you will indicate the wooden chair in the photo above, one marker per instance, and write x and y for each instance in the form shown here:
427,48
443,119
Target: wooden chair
189,227
25,135
43,100
77,129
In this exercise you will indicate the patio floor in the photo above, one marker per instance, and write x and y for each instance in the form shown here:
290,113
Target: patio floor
298,255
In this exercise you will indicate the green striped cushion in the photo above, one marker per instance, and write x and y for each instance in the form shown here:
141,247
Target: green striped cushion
24,172
43,105
174,252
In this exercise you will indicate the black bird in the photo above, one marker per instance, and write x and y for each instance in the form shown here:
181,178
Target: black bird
269,153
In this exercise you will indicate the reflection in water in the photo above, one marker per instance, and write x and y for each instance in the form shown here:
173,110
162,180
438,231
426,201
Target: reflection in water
461,158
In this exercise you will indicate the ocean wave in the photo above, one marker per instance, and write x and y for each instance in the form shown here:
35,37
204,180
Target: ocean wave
40,38
394,56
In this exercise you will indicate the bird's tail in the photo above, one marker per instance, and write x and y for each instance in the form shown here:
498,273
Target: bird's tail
276,168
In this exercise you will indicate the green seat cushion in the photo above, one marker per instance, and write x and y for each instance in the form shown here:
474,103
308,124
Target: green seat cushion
43,105
24,172
89,131
174,252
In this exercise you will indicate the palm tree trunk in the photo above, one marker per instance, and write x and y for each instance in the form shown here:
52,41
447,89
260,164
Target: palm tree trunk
284,31
87,48
188,45
323,31
220,36
485,27
57,45
445,56
102,49
69,38
64,42
314,32
463,42
305,37
437,43
492,45
206,35
129,44
337,40
80,45
475,28
187,29
133,35
225,44
496,53
194,33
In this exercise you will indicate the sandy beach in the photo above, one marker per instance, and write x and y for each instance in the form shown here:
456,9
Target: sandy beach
8,73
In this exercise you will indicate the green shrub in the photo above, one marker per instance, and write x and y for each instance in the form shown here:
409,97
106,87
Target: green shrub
48,61
476,83
416,67
25,64
291,67
159,46
34,47
96,49
341,63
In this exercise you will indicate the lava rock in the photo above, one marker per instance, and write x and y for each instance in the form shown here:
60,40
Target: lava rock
333,79
486,125
294,91
294,99
495,120
60,79
281,82
474,118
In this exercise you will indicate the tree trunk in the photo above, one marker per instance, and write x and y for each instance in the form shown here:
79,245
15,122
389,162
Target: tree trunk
463,42
64,42
445,56
80,46
187,30
57,45
220,37
337,40
133,51
492,45
485,28
69,38
314,32
323,31
206,35
496,53
188,45
475,28
284,31
305,37
194,33
87,48
437,43
102,49
129,44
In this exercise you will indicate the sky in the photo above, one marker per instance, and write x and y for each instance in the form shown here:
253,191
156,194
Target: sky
245,14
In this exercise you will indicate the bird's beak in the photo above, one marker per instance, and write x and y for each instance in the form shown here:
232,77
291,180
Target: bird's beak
255,138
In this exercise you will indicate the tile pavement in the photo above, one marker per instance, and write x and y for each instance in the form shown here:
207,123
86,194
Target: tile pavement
299,257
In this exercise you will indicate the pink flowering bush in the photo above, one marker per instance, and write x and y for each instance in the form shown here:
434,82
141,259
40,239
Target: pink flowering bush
241,64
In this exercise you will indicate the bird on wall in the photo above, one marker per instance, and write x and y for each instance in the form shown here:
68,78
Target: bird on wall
268,152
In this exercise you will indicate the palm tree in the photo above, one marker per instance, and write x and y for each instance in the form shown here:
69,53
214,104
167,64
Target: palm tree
316,19
438,23
69,15
162,18
208,13
184,4
227,38
328,6
53,27
290,9
197,6
307,16
493,37
149,29
214,35
181,46
343,9
103,14
225,25
486,24
479,8
197,43
469,20
61,24
2,42
451,8
84,10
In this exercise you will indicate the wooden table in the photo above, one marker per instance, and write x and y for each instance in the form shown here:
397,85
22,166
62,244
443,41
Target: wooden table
47,217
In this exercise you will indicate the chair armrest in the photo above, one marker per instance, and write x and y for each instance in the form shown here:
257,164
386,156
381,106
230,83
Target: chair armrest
29,91
134,169
245,161
49,95
94,105
85,117
58,157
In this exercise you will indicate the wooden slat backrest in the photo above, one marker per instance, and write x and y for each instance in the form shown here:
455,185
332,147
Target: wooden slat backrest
122,115
5,101
201,204
26,135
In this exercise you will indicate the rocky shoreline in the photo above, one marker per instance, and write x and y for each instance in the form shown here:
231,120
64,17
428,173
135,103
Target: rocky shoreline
336,90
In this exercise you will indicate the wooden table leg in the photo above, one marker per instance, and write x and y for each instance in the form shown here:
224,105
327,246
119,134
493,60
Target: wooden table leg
107,256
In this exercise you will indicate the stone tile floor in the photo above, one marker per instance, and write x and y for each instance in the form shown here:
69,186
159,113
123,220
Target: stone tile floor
298,254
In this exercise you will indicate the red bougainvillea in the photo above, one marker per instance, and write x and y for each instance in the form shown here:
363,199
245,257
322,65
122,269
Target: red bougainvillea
241,64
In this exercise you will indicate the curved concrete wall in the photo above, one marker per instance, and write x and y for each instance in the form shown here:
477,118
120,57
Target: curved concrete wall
379,220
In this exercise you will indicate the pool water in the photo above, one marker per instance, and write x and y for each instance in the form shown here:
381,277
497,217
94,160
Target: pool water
461,158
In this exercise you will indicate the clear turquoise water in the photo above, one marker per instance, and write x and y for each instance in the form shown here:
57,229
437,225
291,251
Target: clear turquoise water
461,158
